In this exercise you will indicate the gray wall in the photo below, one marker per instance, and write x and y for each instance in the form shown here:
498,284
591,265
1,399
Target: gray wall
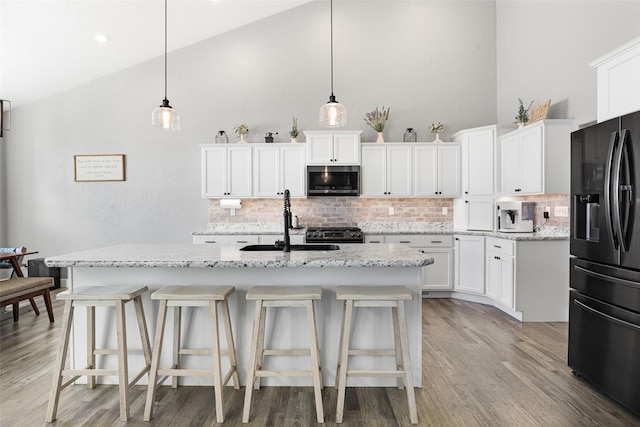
544,48
429,61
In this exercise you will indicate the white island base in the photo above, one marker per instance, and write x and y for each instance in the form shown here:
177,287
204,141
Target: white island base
372,327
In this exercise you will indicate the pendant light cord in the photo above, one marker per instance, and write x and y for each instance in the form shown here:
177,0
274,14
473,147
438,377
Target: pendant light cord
165,49
331,32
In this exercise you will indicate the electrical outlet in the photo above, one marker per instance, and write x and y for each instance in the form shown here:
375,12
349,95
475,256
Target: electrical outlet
561,211
445,210
392,210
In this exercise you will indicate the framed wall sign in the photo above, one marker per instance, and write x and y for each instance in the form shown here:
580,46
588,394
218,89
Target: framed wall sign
98,167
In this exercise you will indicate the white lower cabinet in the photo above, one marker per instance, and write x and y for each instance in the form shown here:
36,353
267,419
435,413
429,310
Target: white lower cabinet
500,271
250,239
469,264
437,276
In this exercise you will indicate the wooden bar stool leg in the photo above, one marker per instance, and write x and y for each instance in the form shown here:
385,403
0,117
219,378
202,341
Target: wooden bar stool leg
217,366
342,363
123,369
231,347
16,311
253,362
61,358
177,329
91,344
144,332
315,361
398,347
260,351
155,360
404,343
344,310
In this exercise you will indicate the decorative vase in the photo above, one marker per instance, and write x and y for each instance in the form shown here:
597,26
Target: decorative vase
380,138
521,125
222,138
242,141
437,140
294,140
410,136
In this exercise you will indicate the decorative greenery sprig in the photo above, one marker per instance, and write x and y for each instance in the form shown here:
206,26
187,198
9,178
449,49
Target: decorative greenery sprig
241,129
377,119
436,127
523,113
294,132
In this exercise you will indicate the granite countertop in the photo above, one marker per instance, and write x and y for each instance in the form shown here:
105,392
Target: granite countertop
229,256
545,233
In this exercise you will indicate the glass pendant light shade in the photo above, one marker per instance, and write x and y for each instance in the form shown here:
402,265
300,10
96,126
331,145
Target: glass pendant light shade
165,117
333,114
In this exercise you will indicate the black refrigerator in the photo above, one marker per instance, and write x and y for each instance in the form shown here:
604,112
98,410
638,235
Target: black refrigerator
604,311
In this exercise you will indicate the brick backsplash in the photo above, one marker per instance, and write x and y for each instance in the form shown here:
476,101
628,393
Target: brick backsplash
322,211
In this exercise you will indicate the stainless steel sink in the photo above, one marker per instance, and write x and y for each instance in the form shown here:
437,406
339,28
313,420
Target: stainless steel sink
310,247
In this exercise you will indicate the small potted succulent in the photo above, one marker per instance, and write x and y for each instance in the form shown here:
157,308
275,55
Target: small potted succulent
294,132
377,119
523,114
437,129
241,130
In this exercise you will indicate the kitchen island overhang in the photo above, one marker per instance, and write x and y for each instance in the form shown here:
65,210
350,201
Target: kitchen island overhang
157,265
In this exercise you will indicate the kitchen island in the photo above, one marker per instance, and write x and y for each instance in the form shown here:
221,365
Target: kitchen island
157,266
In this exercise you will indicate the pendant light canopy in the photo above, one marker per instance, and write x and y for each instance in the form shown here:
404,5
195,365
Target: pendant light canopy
164,116
332,114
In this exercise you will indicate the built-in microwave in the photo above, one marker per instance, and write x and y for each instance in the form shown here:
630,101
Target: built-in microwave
333,180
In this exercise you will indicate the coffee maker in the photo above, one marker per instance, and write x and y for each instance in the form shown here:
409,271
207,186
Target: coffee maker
515,216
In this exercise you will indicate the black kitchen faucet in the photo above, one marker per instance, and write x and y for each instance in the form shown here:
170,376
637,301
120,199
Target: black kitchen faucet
287,221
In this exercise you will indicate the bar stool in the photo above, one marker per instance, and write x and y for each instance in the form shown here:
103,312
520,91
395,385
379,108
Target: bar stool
375,296
193,296
282,296
91,297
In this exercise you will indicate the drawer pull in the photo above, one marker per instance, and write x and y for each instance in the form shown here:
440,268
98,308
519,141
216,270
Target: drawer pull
374,241
210,241
436,241
242,241
405,241
496,246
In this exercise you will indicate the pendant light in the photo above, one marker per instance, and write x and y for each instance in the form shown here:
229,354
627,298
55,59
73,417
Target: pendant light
164,116
333,114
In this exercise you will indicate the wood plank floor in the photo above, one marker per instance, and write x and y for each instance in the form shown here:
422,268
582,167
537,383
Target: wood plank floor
480,368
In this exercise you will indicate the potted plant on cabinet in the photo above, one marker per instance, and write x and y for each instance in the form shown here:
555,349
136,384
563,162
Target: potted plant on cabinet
377,119
436,128
294,132
522,118
241,130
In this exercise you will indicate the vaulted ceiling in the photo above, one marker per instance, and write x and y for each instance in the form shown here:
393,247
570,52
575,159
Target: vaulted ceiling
47,46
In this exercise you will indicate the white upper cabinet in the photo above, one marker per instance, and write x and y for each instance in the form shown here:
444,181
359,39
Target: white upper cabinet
535,159
479,154
618,81
226,171
333,147
277,167
436,170
386,170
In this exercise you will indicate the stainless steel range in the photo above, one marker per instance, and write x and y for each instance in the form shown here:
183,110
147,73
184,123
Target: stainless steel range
334,235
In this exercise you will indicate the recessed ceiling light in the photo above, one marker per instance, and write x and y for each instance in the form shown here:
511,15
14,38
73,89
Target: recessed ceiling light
103,38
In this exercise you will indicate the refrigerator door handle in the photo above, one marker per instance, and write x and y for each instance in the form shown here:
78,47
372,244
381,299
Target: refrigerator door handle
605,276
607,187
616,189
611,318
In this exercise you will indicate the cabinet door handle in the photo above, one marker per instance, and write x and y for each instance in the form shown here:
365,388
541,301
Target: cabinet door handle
466,192
496,257
466,201
496,246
